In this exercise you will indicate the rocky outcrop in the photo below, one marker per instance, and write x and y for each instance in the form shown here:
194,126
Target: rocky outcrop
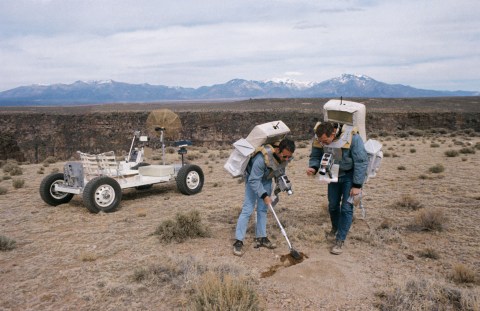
33,137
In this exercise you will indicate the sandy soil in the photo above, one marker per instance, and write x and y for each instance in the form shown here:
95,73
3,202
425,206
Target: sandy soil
69,259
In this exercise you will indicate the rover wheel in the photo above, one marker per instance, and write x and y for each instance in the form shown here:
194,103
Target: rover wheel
190,179
48,193
102,194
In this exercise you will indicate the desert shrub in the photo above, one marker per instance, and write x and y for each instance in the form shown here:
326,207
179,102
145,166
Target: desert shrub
401,168
413,150
434,145
203,150
402,134
467,150
214,292
408,202
469,131
477,146
184,226
224,154
46,164
170,150
442,131
451,153
88,256
429,253
18,183
55,170
373,135
9,165
3,190
50,160
41,170
383,133
416,133
165,272
438,168
430,219
12,168
462,274
6,177
427,295
193,156
6,244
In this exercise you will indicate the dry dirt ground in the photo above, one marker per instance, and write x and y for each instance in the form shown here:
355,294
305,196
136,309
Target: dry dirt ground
69,259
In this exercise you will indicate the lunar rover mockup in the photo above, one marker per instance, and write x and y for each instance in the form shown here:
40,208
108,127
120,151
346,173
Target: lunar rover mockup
99,178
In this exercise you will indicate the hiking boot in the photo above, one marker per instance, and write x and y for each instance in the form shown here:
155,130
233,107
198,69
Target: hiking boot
237,248
337,249
264,242
330,235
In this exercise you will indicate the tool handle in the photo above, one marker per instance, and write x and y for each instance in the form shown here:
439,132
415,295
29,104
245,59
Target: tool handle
280,225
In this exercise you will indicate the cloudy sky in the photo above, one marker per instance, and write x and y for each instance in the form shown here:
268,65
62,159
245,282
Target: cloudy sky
431,44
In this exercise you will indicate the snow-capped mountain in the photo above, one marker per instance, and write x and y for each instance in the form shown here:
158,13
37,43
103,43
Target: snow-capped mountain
81,92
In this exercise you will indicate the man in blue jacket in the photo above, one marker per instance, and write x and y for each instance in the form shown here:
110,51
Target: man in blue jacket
268,162
347,147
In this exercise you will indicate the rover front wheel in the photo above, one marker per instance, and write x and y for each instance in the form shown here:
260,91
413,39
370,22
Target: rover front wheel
102,194
190,179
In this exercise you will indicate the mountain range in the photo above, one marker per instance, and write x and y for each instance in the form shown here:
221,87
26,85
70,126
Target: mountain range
80,92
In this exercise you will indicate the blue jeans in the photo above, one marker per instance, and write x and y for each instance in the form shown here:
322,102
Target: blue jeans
248,207
341,212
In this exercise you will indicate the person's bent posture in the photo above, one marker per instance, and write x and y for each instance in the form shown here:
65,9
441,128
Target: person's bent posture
269,162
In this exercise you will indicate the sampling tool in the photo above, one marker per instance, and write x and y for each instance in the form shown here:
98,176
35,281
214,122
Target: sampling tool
293,252
283,185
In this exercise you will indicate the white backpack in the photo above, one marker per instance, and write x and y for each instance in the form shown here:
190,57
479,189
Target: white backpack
353,113
244,148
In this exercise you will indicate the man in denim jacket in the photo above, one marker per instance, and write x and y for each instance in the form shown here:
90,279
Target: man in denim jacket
353,161
268,162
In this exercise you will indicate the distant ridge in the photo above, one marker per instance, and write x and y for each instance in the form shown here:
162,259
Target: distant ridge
95,92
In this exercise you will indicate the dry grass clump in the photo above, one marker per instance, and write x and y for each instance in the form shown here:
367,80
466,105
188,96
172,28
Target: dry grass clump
467,150
408,202
167,272
3,190
11,167
50,160
88,256
438,168
416,133
6,244
462,274
18,183
430,219
428,253
434,145
428,295
214,292
199,286
185,226
452,153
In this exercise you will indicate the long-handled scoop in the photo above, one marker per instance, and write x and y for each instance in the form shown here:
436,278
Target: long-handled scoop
293,252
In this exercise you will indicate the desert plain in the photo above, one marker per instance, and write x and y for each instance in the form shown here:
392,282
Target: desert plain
416,248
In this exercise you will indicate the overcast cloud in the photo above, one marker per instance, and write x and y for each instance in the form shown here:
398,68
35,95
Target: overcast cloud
431,44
